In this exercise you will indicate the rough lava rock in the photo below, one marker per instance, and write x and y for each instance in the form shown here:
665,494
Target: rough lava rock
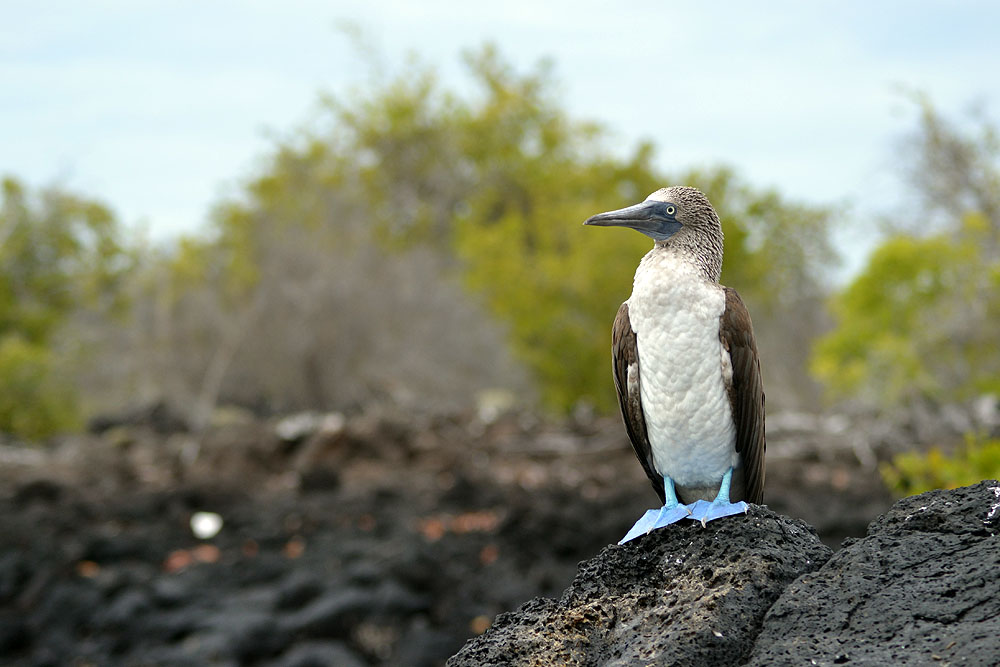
686,594
390,542
921,588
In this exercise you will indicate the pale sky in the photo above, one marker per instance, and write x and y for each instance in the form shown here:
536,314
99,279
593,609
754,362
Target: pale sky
162,108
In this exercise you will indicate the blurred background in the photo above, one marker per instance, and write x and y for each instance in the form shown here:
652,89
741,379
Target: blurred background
305,354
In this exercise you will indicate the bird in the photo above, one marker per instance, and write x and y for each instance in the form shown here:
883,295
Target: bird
685,366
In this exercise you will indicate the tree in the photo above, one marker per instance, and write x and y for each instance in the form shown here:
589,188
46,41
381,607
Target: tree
329,281
540,174
58,252
414,238
920,320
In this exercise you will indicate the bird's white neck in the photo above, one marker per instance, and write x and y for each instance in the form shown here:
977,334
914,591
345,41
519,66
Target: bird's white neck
704,252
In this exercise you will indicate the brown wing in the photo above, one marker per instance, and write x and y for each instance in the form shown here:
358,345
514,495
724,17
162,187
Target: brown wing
746,394
625,354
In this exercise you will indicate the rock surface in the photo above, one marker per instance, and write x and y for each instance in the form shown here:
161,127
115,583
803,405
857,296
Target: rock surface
380,538
681,595
921,588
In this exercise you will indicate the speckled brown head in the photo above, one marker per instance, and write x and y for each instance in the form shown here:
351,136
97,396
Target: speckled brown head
679,218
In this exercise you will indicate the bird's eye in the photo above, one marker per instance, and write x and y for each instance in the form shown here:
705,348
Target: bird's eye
671,210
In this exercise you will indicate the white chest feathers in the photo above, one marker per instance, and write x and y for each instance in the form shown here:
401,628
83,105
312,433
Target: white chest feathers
675,313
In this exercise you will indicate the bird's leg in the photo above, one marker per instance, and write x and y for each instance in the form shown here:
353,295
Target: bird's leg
705,511
671,512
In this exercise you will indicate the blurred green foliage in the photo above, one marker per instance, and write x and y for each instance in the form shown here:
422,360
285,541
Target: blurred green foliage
919,324
343,251
58,253
916,472
906,324
558,288
33,401
920,320
501,182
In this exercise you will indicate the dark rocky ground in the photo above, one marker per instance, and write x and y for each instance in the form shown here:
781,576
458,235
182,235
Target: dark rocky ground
382,539
919,589
686,595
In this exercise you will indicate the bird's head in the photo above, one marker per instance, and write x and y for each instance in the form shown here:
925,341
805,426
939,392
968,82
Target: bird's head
679,218
668,211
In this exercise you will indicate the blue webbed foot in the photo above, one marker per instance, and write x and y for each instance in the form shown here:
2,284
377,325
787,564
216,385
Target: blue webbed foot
671,512
654,519
705,511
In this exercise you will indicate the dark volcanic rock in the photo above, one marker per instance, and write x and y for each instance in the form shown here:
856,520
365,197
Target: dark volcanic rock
297,589
336,613
921,588
681,595
158,416
390,545
320,654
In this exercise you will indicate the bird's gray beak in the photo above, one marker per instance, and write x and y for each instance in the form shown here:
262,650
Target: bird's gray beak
649,217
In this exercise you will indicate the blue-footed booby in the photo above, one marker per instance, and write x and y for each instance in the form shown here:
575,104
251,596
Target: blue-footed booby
685,366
